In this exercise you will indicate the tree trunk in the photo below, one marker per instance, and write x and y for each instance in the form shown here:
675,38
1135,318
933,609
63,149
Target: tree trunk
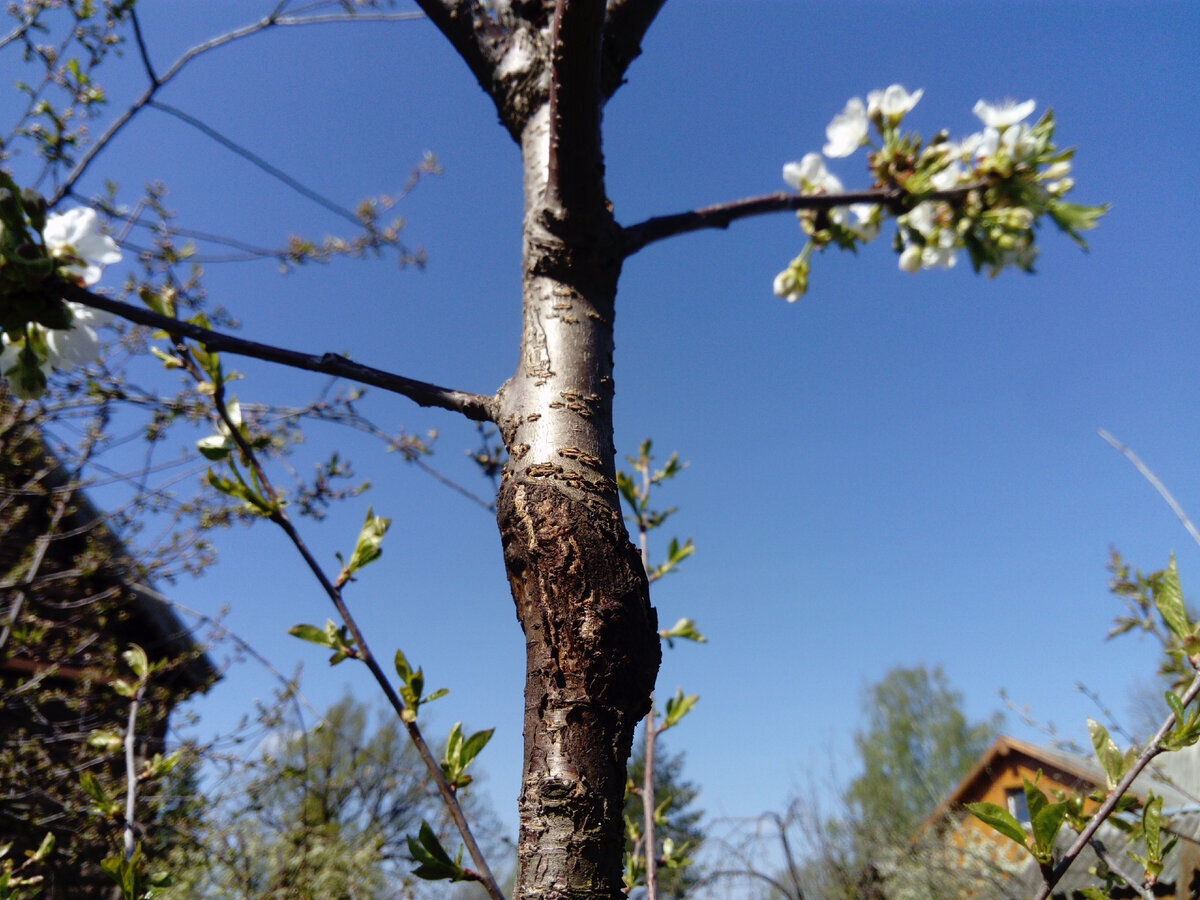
579,585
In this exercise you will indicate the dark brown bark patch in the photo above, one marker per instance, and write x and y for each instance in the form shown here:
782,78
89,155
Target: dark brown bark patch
592,656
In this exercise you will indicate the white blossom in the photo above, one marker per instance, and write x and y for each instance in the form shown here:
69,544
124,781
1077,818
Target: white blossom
77,233
867,216
810,175
948,177
1019,141
77,345
892,103
940,253
910,258
1001,115
848,130
788,286
920,218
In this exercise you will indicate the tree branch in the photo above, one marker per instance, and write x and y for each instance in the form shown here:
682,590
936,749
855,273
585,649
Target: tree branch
625,25
576,165
362,651
258,162
477,407
472,33
722,214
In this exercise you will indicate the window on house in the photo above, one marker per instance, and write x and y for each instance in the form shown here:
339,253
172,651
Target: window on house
1016,804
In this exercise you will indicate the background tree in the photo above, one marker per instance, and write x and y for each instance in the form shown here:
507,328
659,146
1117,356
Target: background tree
321,811
917,744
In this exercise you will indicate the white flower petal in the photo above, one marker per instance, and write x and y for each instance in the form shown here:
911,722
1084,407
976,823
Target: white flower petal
920,218
948,177
77,233
1001,115
70,347
893,102
848,130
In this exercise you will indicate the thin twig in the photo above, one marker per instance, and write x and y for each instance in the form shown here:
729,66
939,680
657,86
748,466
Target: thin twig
362,649
1153,479
131,767
1107,858
258,162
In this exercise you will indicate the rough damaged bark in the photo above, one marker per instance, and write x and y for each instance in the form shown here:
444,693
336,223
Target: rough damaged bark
579,585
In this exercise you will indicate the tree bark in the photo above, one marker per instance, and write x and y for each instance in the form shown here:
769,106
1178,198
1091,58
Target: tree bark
578,582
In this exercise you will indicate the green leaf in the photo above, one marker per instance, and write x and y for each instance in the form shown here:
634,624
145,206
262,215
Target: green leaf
472,746
1176,705
1000,819
367,549
1045,827
215,447
101,802
1035,800
1110,758
684,629
440,692
678,707
1152,828
1072,218
311,633
1168,598
106,740
433,862
625,486
44,849
168,361
135,657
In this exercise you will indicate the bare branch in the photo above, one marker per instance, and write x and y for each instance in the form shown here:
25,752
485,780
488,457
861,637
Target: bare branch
722,214
477,407
257,161
625,25
472,32
1107,858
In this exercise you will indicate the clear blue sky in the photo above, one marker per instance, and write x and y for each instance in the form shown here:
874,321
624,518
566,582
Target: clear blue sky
897,469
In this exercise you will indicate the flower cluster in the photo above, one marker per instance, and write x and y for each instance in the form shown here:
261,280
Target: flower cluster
984,193
39,330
